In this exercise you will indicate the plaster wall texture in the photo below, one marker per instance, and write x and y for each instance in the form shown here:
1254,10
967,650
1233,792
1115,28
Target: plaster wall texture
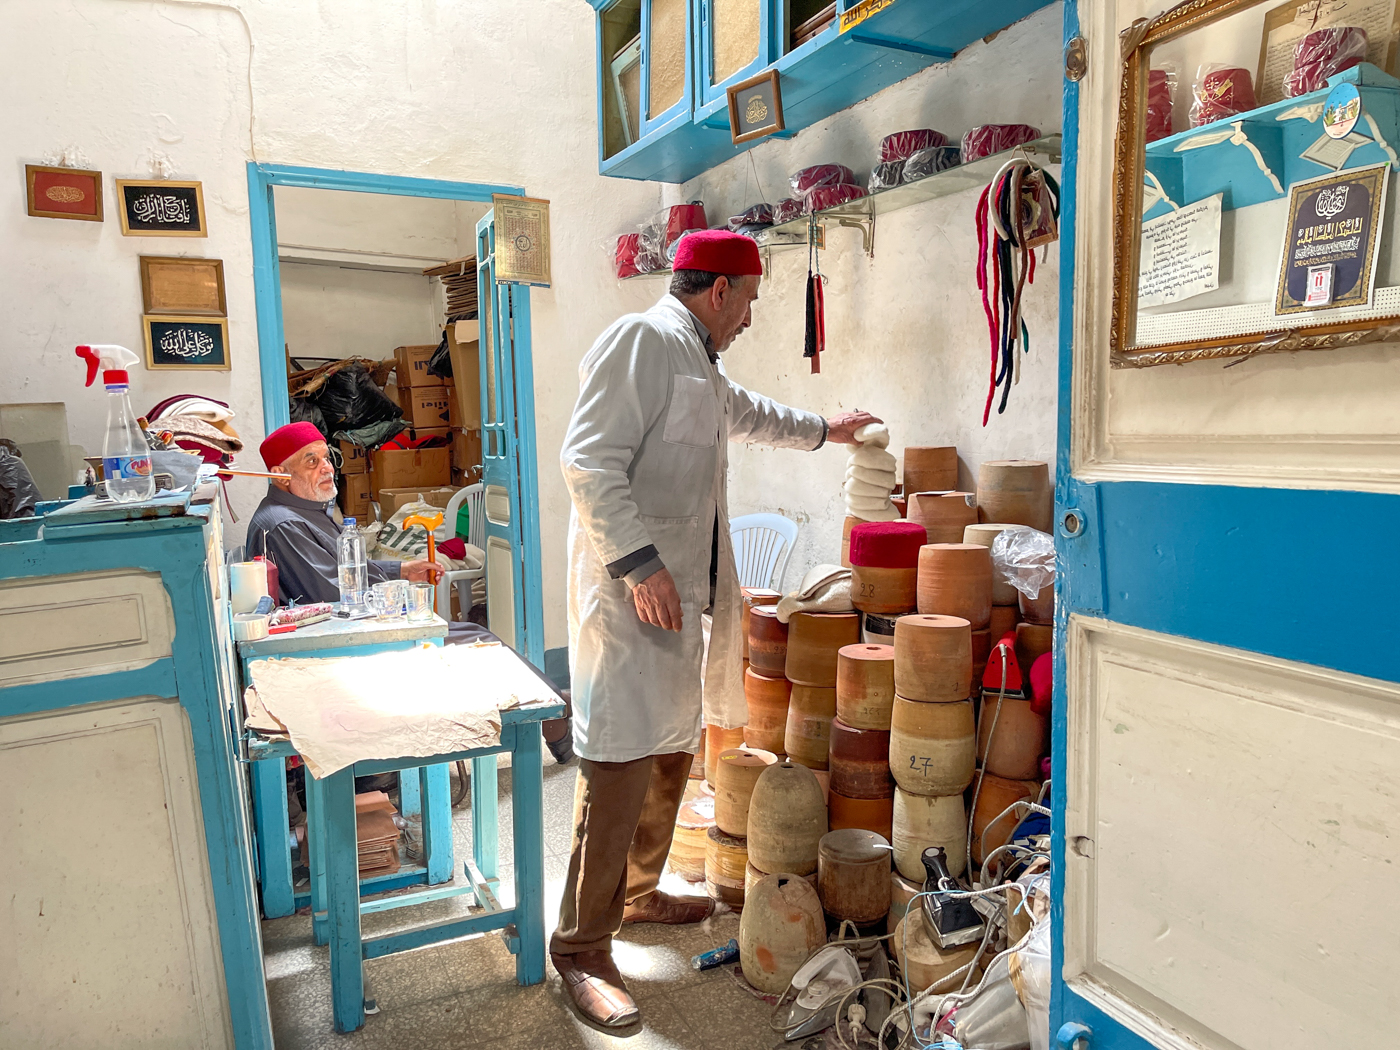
906,332
494,93
332,312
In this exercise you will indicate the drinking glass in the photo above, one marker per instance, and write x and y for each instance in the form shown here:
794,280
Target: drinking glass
388,599
420,601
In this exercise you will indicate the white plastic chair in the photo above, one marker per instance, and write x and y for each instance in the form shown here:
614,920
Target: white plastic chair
475,497
763,546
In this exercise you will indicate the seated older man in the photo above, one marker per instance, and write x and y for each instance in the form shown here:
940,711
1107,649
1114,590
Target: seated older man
293,526
294,529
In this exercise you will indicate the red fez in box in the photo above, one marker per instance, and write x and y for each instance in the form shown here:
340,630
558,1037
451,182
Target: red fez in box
285,442
718,251
887,544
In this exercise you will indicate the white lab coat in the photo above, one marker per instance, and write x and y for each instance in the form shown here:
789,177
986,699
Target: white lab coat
645,464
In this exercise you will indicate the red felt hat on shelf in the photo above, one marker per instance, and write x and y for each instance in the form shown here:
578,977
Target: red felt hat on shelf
718,251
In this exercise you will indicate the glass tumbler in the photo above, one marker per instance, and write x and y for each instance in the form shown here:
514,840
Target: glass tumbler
420,601
389,598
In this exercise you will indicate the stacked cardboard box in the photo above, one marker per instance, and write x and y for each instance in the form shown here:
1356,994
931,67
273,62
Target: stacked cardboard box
376,834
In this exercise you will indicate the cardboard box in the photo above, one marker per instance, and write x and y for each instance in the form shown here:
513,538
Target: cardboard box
424,407
354,459
354,496
390,500
466,449
409,468
412,368
462,346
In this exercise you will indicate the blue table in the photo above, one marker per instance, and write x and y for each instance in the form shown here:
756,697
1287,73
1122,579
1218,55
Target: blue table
522,925
423,791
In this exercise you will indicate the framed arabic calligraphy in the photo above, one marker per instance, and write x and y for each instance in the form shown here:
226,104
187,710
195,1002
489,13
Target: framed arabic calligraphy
172,285
63,193
161,208
186,342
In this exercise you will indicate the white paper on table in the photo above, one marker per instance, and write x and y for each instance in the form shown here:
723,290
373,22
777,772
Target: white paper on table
413,703
1180,254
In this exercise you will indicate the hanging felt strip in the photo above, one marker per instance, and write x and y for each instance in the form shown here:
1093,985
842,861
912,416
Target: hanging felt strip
1016,213
815,341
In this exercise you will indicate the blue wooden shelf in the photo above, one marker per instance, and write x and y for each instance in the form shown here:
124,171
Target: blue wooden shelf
828,73
1214,158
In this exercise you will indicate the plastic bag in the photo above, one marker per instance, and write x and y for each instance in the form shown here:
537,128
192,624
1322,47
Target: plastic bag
1025,558
350,399
786,210
440,364
987,139
886,174
757,215
658,238
1161,89
809,179
18,493
929,161
1322,53
1220,91
904,144
830,196
300,410
625,255
1033,982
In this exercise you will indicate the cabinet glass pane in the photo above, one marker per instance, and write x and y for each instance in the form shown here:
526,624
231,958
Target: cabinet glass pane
736,36
807,18
666,51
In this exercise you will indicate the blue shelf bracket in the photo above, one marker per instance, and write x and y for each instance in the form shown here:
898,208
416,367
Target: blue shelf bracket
938,54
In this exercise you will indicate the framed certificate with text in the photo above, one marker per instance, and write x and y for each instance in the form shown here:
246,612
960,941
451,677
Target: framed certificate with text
1331,241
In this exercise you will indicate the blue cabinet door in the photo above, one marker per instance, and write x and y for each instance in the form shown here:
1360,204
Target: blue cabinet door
1226,733
514,595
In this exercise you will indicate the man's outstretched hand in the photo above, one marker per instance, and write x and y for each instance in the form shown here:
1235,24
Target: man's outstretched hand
840,430
658,601
420,570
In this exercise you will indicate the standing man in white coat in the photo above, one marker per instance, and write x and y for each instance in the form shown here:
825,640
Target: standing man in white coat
649,554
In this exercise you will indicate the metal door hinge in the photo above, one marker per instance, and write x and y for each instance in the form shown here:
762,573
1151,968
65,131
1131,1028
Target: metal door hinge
1076,59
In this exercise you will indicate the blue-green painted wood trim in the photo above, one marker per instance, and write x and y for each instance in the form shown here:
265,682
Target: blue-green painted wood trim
436,933
267,286
531,548
155,679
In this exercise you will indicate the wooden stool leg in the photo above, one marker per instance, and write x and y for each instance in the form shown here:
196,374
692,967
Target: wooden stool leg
437,822
343,900
269,778
485,830
527,818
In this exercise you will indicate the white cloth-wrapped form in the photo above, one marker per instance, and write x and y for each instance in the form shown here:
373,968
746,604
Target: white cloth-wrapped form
410,703
825,589
870,475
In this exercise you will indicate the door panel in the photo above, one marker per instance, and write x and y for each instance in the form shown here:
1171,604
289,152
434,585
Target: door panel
514,603
1226,733
1225,806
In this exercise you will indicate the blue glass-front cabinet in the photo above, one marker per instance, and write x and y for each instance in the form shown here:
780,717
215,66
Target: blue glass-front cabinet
664,66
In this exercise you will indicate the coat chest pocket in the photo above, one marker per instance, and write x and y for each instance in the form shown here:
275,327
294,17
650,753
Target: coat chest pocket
693,418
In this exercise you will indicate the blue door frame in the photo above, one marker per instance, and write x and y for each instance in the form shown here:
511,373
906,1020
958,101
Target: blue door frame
1171,558
272,360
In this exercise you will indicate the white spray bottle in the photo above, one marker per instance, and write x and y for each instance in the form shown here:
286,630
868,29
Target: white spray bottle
126,458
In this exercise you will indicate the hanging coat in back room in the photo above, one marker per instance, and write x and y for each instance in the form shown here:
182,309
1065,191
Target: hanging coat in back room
645,460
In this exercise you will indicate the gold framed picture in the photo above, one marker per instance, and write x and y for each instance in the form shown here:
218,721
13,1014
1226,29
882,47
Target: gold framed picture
186,342
522,239
755,108
161,208
171,285
63,193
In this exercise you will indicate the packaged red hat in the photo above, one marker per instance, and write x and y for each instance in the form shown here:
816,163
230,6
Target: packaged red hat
285,442
986,139
904,144
1220,92
1322,53
718,251
1161,85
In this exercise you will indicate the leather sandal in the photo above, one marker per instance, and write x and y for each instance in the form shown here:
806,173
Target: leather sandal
596,988
673,911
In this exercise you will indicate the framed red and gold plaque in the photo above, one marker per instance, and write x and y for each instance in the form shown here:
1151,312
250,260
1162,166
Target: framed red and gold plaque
63,193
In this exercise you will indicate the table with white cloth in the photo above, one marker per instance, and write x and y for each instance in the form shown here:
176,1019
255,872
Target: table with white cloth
456,703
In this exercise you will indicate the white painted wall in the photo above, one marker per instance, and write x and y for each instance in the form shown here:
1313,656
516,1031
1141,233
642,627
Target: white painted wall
906,331
332,312
493,93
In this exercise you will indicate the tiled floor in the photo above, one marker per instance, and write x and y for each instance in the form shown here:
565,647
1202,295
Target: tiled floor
464,994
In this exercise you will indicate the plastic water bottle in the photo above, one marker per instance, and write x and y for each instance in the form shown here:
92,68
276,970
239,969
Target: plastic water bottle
353,568
126,458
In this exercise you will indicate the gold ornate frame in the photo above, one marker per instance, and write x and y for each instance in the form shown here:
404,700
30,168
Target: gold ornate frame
1137,42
